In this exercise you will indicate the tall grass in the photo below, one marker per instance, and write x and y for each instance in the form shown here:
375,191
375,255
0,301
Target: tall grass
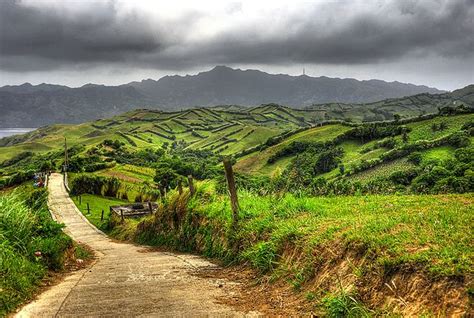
26,229
430,230
295,237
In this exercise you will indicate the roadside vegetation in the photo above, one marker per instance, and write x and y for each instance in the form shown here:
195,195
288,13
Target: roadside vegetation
31,244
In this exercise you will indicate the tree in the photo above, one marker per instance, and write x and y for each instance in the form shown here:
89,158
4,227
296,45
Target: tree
328,160
415,158
396,117
166,178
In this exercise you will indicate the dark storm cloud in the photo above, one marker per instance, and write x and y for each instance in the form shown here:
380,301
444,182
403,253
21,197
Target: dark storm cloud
328,33
30,35
404,28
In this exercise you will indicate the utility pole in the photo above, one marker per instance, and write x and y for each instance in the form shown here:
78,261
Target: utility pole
65,164
66,160
234,202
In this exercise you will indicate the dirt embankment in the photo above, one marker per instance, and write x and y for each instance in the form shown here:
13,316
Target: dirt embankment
407,291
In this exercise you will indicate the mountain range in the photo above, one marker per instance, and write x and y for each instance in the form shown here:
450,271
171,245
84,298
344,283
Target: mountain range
37,105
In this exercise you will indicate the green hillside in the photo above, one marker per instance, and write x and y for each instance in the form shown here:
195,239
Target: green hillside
219,130
356,150
261,139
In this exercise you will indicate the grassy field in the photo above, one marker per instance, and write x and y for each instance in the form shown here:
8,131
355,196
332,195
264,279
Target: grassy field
422,130
439,153
129,173
382,170
96,205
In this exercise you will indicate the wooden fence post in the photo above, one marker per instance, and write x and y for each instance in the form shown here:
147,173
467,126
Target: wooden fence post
88,208
234,202
102,215
121,215
192,190
150,207
180,187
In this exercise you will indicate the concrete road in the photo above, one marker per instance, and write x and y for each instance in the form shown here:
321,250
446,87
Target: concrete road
126,280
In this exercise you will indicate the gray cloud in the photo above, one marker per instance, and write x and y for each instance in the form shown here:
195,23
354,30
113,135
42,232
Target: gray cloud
336,32
397,30
50,37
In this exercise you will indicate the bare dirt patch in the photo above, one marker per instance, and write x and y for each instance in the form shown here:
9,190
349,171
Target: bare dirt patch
252,293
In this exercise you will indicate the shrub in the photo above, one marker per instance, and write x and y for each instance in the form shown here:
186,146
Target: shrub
459,139
403,177
86,183
464,155
415,158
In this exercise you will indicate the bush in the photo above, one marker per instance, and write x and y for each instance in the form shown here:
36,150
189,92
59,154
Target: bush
459,139
86,183
403,177
415,158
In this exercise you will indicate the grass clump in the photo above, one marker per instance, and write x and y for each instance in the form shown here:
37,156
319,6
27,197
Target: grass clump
31,244
344,304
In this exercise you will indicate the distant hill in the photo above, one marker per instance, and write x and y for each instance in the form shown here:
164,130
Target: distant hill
224,85
33,106
408,106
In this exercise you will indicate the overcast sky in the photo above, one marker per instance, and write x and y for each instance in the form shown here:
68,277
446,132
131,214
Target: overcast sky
427,42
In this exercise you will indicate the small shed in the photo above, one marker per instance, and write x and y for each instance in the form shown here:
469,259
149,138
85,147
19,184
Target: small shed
135,209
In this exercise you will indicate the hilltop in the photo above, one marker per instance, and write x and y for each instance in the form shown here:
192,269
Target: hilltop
34,106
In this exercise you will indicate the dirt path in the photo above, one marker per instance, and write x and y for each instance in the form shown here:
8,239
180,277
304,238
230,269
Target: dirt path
126,280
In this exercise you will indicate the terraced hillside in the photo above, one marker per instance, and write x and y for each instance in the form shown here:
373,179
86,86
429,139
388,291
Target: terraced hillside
274,159
271,160
222,130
